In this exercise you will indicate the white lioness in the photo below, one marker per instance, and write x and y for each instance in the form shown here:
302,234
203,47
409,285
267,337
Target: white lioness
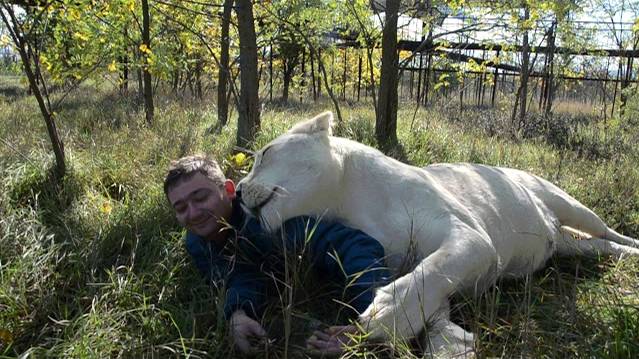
464,225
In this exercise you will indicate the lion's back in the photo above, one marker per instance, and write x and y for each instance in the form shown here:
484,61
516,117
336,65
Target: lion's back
503,202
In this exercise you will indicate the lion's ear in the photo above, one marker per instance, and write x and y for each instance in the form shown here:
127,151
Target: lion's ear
320,123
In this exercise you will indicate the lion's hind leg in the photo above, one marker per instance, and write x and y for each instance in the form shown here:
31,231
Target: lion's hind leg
614,236
573,242
574,214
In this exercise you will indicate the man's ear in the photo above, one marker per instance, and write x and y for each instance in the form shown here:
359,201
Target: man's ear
320,123
229,188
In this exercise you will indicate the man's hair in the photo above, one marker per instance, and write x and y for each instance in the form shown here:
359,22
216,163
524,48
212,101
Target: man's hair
187,166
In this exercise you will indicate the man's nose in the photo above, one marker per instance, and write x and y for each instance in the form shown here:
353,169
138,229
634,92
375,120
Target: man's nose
191,212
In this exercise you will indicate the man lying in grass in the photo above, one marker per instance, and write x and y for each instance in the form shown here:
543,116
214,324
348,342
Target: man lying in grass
231,247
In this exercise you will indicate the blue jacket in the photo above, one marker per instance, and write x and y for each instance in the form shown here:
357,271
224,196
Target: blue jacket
247,261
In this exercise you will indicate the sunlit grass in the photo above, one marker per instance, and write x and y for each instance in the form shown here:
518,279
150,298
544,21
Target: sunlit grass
94,266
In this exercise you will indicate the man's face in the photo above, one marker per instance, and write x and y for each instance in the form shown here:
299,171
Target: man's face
201,206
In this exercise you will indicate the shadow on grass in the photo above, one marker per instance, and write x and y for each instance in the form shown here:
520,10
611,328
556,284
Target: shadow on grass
131,265
12,92
533,316
46,192
111,108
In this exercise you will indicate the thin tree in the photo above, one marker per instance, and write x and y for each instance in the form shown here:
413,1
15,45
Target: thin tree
146,74
31,66
386,121
248,109
124,72
525,54
223,73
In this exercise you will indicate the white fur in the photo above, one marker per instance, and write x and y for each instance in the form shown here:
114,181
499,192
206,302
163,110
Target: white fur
460,226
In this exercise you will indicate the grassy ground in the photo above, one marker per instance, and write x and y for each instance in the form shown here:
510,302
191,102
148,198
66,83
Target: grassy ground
94,266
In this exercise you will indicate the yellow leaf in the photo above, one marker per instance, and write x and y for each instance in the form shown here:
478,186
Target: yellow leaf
106,208
112,66
4,40
145,49
6,336
80,36
239,159
74,14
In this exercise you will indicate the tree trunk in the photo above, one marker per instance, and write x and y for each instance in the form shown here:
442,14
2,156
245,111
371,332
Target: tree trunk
319,77
198,78
223,71
525,53
289,67
344,76
614,95
548,96
139,73
329,89
31,69
124,74
627,78
313,78
359,73
386,124
427,79
148,83
494,92
371,74
303,81
248,108
270,72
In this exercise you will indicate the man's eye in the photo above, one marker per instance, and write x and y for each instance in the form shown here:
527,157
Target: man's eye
200,197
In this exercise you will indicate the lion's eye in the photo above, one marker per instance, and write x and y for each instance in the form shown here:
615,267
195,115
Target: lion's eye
264,153
266,150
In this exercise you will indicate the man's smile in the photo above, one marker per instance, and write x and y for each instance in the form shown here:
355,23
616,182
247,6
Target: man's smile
199,222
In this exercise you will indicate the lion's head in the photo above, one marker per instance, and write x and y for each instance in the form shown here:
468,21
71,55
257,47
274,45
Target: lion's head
295,174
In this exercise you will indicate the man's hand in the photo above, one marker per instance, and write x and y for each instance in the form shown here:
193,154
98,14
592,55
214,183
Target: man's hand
242,328
332,340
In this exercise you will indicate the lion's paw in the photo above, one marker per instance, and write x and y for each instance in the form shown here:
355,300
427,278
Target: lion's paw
397,310
445,339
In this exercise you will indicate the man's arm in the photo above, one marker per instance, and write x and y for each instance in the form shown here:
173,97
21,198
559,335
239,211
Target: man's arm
244,285
245,290
348,256
342,253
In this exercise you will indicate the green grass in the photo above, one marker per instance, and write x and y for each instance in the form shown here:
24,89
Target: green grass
94,266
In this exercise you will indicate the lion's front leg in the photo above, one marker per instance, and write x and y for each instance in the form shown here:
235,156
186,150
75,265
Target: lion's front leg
445,339
404,306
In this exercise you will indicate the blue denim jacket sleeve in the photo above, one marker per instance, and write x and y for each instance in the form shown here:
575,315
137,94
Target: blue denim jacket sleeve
343,254
244,284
